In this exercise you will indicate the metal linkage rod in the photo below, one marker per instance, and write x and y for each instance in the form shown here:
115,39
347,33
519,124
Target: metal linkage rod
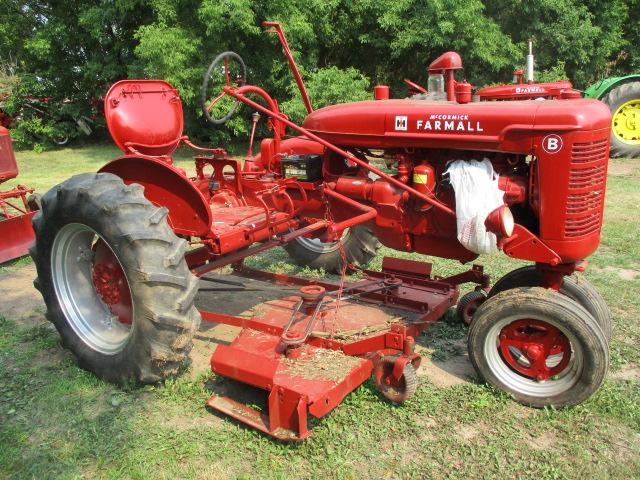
238,93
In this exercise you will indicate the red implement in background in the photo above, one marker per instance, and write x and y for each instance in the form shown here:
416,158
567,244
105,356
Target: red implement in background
16,210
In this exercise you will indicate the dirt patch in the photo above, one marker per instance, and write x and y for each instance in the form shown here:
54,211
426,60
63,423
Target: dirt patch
628,372
546,441
21,302
456,370
623,273
467,432
52,356
622,168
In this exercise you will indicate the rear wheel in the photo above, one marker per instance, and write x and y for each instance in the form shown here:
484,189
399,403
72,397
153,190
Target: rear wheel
114,279
624,103
539,346
574,287
359,243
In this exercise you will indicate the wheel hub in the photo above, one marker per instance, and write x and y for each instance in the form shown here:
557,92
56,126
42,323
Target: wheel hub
110,282
106,282
534,348
626,122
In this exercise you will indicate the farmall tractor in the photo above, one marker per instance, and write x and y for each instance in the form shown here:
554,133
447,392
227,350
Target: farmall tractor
120,253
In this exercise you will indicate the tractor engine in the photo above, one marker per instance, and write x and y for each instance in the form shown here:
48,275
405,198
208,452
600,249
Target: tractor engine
551,159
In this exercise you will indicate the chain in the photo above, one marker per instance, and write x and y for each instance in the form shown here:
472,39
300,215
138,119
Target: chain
345,264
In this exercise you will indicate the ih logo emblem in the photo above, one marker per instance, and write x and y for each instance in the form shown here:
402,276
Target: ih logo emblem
401,122
552,144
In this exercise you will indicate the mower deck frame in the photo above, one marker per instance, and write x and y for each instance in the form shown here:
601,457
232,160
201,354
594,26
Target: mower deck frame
309,356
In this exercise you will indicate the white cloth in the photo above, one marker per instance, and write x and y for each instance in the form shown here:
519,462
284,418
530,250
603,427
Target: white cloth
477,195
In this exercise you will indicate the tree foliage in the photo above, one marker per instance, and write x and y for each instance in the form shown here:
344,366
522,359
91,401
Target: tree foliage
71,51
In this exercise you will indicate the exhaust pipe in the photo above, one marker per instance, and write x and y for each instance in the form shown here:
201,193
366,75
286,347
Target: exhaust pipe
530,63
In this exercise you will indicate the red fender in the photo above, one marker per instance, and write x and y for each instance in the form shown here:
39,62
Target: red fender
166,186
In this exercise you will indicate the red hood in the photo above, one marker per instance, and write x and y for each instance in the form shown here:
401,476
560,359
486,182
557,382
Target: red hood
479,125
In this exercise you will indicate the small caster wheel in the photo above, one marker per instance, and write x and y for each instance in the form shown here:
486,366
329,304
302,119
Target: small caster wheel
397,391
468,304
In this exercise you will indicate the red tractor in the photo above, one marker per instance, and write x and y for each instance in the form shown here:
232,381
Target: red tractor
120,253
17,206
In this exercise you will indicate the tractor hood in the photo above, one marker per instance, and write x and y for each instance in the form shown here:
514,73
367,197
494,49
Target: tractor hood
528,91
504,126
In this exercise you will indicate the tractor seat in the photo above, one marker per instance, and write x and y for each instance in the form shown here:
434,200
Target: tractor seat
144,116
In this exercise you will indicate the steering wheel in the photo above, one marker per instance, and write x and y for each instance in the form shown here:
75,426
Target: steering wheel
227,69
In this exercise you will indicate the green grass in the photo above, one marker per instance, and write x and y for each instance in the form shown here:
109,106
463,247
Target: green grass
58,421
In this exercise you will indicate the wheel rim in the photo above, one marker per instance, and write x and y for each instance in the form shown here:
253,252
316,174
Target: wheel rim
317,246
626,122
538,358
92,289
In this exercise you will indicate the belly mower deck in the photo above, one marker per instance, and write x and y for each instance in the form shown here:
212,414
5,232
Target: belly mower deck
310,349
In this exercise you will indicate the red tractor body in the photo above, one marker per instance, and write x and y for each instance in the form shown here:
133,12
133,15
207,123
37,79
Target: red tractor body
564,186
357,172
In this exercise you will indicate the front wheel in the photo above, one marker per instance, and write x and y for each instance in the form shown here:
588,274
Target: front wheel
114,279
573,286
539,346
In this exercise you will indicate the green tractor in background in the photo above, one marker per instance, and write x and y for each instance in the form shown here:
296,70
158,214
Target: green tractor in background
622,95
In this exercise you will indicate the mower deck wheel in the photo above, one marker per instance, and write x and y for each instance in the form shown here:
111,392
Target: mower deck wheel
397,391
468,304
113,276
539,346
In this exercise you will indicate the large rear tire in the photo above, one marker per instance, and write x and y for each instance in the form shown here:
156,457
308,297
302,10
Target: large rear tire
539,346
624,103
359,242
114,279
574,287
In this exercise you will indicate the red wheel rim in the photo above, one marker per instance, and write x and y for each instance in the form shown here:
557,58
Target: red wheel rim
111,283
534,348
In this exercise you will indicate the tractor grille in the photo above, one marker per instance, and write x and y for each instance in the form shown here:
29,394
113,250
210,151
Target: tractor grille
586,188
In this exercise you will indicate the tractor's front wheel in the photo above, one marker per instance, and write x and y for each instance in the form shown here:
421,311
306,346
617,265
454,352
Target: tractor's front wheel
624,103
539,346
574,287
113,276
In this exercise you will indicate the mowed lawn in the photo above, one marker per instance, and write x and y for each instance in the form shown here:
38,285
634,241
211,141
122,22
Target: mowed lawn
58,421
